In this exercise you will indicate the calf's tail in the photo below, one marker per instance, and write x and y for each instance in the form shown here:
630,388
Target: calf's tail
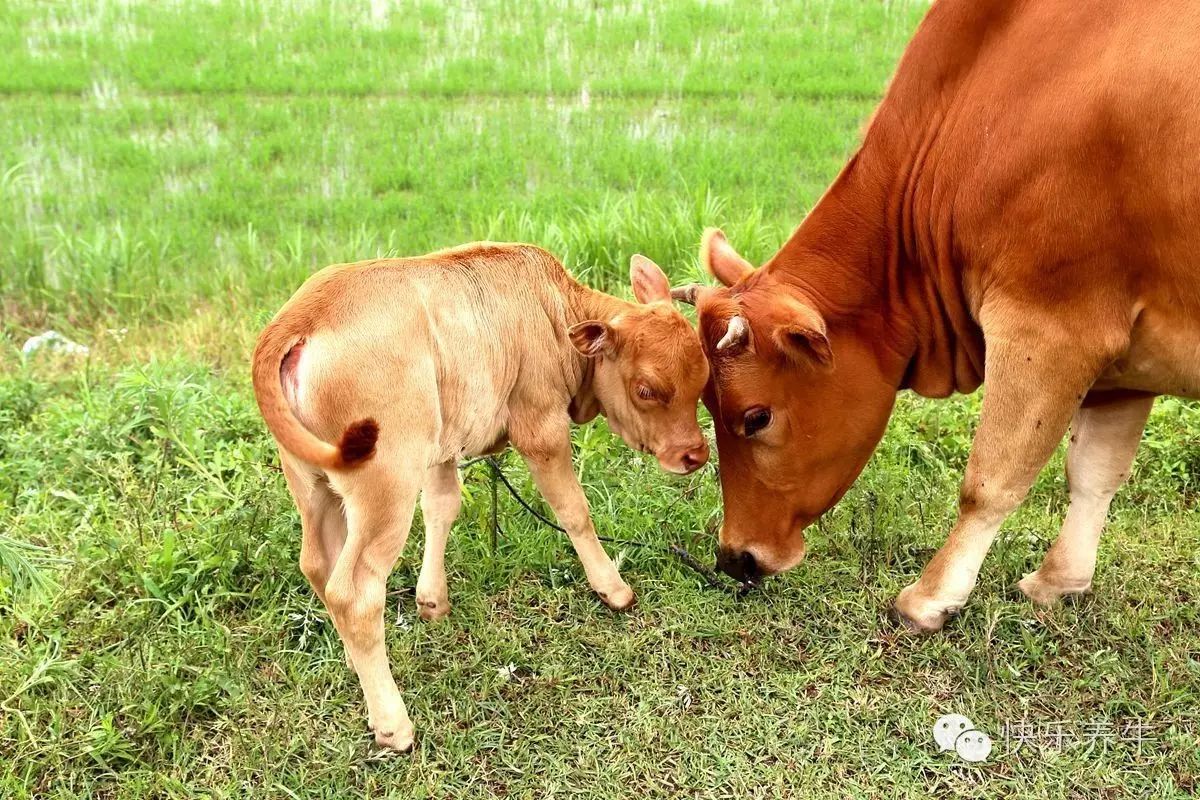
357,444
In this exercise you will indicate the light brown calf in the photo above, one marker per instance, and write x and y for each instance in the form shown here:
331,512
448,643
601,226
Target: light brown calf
412,364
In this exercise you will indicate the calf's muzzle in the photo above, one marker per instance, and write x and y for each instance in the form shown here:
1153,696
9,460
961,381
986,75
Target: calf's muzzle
687,459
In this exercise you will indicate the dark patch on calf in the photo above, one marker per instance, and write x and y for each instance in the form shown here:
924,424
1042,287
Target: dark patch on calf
358,442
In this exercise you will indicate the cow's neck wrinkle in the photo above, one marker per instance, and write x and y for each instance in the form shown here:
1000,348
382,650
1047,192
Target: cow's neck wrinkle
876,256
909,183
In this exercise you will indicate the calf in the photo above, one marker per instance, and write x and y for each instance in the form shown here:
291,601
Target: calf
411,364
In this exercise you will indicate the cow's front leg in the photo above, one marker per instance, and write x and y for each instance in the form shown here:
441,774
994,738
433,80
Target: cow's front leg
1035,382
549,458
1104,438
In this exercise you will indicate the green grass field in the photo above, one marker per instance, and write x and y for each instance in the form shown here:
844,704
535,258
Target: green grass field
170,172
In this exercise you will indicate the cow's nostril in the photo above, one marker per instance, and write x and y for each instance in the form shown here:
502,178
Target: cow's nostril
739,565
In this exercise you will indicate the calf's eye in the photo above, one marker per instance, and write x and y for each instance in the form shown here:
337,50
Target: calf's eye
755,420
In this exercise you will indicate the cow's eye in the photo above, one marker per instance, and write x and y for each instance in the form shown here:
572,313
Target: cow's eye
645,392
755,420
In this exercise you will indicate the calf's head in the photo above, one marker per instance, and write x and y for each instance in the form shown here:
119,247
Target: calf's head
798,405
648,372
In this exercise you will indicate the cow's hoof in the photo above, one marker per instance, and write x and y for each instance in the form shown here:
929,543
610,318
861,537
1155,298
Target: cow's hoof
1045,592
898,619
920,615
433,609
620,599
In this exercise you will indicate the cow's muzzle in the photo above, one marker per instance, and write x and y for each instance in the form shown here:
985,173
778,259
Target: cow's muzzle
738,564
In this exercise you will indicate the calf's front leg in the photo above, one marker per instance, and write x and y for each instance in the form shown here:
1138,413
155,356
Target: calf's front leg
550,465
1036,380
441,500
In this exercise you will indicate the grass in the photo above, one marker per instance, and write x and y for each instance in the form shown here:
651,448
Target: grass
171,172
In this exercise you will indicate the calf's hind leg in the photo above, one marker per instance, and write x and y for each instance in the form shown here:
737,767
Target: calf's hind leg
379,498
322,523
441,499
1104,438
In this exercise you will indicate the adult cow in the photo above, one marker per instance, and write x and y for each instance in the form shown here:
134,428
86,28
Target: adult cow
1025,208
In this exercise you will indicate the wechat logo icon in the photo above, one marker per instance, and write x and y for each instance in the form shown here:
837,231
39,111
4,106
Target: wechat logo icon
956,732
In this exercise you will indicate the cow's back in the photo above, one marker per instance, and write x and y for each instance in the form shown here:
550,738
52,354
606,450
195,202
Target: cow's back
1079,125
1063,143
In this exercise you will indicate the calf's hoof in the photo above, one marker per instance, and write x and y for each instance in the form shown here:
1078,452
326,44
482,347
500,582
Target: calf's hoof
432,609
400,741
919,614
620,599
1046,592
397,736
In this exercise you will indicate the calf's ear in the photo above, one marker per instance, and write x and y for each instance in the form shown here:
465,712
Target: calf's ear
649,282
803,338
593,338
721,260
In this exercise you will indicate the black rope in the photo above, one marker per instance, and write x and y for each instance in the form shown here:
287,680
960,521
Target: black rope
495,513
737,589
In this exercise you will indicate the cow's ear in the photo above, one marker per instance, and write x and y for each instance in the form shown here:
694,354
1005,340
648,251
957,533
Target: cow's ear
721,260
649,282
803,338
593,338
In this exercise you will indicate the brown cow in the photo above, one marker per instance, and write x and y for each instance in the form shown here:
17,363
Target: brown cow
411,364
1025,207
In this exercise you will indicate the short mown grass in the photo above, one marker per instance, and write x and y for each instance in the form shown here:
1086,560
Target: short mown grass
171,172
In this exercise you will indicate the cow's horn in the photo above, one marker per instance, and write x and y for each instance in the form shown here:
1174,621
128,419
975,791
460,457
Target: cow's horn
736,335
686,294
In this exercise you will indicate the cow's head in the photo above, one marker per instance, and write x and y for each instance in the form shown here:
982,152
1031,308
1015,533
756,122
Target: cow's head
798,402
649,372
